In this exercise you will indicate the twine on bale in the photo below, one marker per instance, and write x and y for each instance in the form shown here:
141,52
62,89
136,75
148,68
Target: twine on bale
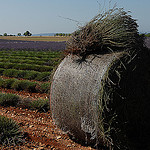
96,90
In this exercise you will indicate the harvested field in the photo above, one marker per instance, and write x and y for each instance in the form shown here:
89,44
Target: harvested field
35,38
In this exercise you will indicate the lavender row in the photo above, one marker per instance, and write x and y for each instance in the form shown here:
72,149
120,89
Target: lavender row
38,45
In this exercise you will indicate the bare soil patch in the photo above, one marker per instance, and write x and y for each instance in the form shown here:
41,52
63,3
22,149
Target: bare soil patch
39,129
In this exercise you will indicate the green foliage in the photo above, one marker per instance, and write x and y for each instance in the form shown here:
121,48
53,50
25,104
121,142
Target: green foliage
43,88
18,73
44,76
19,34
1,70
26,85
1,82
113,30
26,61
9,99
29,57
9,72
6,65
25,74
27,33
41,105
62,34
24,58
5,34
7,83
10,133
147,35
34,67
31,75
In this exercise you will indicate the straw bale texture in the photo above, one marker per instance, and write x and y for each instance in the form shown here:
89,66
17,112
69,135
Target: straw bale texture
75,94
103,100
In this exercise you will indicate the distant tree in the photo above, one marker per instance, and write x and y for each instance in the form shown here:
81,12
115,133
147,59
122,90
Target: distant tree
60,34
5,34
147,35
27,33
19,34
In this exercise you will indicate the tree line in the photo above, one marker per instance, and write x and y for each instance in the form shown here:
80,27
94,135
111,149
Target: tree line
27,33
62,34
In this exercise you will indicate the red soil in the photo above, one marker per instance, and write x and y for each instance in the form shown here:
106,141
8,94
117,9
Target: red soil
41,132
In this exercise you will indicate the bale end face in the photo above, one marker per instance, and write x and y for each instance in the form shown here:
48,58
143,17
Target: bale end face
97,101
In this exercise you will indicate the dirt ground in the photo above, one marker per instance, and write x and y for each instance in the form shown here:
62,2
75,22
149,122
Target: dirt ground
40,131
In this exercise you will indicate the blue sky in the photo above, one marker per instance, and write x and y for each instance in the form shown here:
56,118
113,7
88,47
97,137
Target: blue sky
49,16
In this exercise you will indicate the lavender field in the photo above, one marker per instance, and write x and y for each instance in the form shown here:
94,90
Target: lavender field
30,45
40,45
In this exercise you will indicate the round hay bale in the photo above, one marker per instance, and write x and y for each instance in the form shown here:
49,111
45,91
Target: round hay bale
98,100
100,92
